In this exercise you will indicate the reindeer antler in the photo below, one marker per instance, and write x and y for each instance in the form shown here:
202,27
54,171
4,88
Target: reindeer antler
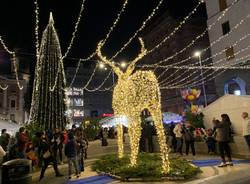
107,61
143,52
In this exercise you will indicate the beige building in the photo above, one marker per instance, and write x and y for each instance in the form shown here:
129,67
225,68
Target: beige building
12,100
231,81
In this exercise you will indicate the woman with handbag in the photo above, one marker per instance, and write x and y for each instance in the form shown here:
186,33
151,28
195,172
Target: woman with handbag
47,157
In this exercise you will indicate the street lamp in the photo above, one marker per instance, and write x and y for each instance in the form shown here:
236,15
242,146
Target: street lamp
123,64
197,54
101,65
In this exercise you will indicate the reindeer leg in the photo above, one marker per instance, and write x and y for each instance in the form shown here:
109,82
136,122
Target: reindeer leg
119,137
120,140
157,118
134,130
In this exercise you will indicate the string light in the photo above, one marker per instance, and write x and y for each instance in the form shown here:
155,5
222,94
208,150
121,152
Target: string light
14,62
74,32
176,28
214,63
134,92
37,28
224,69
100,86
202,61
4,88
197,38
104,41
139,30
213,43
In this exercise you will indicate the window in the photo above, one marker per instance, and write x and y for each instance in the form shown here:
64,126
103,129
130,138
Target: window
225,27
12,103
78,113
230,53
12,117
222,4
78,102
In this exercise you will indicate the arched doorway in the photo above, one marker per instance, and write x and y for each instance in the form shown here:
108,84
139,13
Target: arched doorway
235,86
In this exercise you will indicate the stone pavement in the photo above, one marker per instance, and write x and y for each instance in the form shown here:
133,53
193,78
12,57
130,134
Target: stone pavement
238,174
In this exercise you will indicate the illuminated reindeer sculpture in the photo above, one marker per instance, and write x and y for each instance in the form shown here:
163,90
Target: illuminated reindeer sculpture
133,93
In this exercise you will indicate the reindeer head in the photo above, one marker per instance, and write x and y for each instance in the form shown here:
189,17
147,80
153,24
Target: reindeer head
116,69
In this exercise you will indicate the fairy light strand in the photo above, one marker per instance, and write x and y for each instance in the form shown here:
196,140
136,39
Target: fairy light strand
139,30
198,37
212,73
75,31
204,60
176,28
212,44
104,41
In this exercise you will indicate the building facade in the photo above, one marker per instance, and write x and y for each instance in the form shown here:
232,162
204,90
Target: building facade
162,27
233,44
12,99
87,103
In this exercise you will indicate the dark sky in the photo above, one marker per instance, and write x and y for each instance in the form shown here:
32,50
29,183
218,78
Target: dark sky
17,22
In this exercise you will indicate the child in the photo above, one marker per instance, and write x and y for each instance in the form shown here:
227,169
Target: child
210,141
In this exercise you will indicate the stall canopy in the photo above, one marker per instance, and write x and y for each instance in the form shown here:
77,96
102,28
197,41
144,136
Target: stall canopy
168,117
10,126
113,121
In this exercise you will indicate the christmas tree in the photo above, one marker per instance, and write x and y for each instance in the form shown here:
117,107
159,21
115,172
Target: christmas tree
48,99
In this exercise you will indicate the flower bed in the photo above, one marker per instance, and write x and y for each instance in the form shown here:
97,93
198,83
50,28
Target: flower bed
148,168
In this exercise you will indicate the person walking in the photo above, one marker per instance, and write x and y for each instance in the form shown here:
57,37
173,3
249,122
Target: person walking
4,139
178,131
47,157
189,139
246,128
172,137
71,153
223,138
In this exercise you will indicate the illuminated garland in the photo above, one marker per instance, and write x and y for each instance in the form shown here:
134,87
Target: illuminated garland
208,66
211,74
104,41
4,88
14,64
74,32
176,28
212,44
197,38
134,92
139,30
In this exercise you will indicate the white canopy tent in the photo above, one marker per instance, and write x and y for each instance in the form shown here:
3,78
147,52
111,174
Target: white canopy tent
10,126
113,121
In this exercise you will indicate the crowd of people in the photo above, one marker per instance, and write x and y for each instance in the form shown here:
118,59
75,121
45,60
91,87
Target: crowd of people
47,147
219,136
44,148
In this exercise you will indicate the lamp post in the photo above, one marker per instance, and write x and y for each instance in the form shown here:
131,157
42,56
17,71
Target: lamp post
198,55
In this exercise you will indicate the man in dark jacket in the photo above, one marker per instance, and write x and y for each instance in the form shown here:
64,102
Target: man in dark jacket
71,153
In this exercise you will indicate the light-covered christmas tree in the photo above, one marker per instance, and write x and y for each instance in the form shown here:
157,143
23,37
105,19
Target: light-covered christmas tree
48,98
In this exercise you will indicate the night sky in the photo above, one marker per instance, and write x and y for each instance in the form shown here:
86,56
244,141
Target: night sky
17,22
